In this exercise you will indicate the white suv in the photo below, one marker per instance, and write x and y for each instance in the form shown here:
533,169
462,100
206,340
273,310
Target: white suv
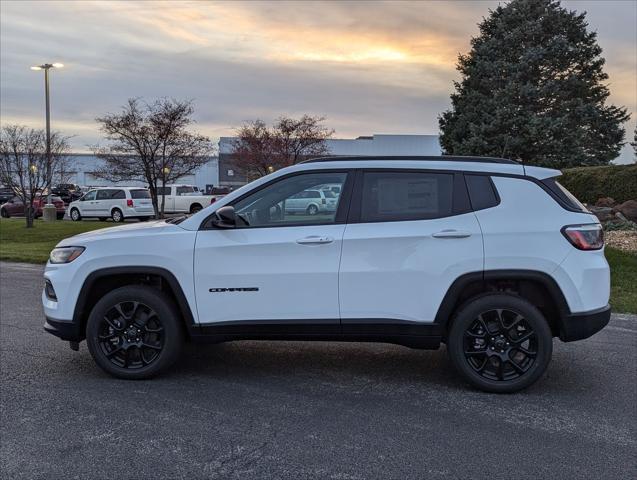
490,257
117,203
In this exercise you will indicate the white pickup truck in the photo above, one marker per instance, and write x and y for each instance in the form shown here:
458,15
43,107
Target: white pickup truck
183,198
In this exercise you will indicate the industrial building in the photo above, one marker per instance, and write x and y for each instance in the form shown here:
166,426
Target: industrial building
220,170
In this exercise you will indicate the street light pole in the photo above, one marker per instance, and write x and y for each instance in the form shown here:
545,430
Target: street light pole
48,210
49,175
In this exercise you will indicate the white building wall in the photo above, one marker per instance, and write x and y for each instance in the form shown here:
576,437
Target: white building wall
83,165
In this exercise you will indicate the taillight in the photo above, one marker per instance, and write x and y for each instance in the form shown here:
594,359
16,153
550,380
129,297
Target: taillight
213,200
585,237
129,203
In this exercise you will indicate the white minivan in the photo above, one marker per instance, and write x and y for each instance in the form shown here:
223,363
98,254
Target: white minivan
117,203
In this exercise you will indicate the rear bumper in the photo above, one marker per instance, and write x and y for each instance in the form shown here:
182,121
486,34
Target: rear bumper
578,326
64,329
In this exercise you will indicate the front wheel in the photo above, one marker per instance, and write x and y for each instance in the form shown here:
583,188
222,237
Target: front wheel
134,332
312,210
75,215
500,343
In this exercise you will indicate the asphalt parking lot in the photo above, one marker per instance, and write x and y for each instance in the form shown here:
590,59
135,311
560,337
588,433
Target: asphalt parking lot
306,410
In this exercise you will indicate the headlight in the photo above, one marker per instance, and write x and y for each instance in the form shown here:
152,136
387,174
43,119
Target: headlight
65,254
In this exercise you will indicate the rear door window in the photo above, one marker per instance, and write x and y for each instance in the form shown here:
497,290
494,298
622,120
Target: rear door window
401,196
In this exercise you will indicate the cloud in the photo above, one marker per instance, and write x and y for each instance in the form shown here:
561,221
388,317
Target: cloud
370,67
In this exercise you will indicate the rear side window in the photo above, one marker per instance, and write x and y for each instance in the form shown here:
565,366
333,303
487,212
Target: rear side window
118,194
140,194
401,196
563,196
482,193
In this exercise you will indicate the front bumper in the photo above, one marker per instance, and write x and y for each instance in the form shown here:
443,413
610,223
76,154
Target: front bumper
64,329
578,326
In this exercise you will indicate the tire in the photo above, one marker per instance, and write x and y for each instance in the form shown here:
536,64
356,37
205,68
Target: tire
195,207
500,343
4,213
103,219
134,332
117,215
312,210
75,215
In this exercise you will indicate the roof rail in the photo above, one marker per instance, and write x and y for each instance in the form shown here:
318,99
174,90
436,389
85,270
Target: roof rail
439,158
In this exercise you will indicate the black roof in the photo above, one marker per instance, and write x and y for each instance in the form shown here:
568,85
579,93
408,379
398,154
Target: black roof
439,158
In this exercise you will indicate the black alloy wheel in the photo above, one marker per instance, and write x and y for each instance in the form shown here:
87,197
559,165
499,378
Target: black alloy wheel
500,345
500,342
134,332
131,335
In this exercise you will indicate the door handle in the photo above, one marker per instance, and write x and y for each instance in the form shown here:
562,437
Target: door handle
314,240
451,234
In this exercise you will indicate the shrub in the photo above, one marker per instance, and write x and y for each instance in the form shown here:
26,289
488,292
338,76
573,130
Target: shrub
589,184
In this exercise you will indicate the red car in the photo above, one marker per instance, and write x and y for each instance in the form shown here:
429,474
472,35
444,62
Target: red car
15,208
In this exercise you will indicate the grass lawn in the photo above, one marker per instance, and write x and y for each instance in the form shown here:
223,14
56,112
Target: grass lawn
623,272
19,244
33,245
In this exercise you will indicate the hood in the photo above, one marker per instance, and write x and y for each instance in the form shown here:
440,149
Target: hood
134,229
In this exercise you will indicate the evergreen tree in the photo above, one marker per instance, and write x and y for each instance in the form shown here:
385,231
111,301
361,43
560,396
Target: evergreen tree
533,89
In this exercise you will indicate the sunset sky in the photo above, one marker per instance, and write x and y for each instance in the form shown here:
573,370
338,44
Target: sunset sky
369,67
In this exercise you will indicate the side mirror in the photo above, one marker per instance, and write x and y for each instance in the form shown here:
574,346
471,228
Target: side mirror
225,217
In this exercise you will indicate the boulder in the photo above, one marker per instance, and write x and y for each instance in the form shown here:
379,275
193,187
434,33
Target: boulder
605,202
602,213
628,209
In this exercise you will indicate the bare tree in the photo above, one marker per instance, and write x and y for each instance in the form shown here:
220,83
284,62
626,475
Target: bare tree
259,149
23,162
253,149
150,142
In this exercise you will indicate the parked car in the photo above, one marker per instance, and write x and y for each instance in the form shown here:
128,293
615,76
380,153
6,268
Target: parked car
68,192
183,198
6,194
488,256
14,207
117,203
311,202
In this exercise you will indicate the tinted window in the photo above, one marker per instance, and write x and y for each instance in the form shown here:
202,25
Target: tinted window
118,194
481,191
184,191
140,194
90,195
394,196
163,190
563,196
287,202
104,194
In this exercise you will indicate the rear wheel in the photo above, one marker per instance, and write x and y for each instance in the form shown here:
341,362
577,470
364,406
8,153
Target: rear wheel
500,343
75,215
134,332
117,215
312,210
194,208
